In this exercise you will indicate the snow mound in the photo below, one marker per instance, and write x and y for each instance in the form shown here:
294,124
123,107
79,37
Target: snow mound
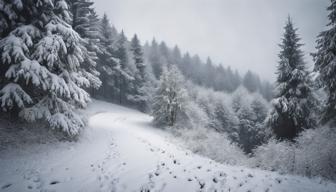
121,151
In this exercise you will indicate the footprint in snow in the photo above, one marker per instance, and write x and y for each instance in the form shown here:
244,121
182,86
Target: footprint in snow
6,186
222,174
54,182
201,183
176,162
278,180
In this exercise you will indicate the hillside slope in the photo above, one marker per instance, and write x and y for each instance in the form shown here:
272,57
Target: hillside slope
121,151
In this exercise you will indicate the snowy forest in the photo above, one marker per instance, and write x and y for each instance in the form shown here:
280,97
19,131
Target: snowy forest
60,58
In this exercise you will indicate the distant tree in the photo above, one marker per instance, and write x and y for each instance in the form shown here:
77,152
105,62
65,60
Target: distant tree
226,119
185,65
177,57
139,92
138,55
107,63
209,73
170,97
247,131
251,111
260,107
239,98
124,73
326,66
154,59
266,90
294,105
251,82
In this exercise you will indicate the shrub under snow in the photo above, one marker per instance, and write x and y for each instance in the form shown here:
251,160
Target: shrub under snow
313,154
212,144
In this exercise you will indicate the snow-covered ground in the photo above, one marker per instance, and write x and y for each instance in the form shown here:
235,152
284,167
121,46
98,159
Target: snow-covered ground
121,151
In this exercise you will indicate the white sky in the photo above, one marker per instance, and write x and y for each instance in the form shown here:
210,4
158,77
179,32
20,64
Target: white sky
241,33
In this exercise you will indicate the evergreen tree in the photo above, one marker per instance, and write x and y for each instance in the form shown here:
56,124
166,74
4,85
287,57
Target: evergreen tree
325,64
251,82
42,59
247,132
170,97
125,76
107,63
138,56
210,73
139,93
177,56
226,119
154,59
186,65
294,105
84,22
80,10
251,114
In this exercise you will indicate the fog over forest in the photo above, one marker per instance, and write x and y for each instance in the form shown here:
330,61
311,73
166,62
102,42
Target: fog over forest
242,34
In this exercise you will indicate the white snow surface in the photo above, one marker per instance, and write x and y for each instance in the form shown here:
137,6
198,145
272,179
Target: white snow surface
121,151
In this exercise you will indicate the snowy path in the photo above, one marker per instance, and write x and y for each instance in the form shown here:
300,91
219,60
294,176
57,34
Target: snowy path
122,152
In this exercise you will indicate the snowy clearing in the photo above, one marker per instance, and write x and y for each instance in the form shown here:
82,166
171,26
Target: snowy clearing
122,152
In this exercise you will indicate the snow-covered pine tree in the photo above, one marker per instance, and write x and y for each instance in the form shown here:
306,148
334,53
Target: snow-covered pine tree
84,22
260,108
247,132
294,105
107,64
139,93
170,97
80,10
155,59
124,72
226,119
325,64
42,57
239,98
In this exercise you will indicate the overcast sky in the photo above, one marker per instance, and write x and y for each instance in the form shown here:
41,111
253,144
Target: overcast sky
241,33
